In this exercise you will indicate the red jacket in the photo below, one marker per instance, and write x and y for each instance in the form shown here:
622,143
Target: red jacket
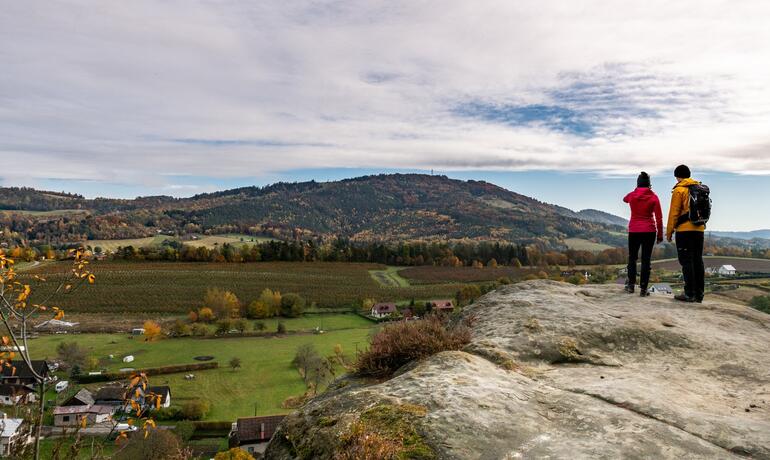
644,206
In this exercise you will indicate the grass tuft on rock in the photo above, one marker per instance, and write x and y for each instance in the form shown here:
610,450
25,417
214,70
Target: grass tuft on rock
386,432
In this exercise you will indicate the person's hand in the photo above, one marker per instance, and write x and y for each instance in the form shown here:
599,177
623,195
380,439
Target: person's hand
660,239
669,238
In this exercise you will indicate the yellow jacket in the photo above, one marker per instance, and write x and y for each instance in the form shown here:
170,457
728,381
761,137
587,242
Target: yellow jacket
680,204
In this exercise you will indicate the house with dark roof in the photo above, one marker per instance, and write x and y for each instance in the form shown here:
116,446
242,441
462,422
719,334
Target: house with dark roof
19,373
444,305
14,395
81,398
253,433
111,395
383,309
164,392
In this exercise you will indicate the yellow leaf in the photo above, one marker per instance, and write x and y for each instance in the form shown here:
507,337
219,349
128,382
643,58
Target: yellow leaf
59,315
83,421
91,279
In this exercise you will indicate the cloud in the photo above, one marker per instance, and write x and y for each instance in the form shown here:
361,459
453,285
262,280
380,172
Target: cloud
129,93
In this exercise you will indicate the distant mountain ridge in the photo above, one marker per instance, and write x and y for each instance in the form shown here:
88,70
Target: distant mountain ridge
763,234
594,215
388,207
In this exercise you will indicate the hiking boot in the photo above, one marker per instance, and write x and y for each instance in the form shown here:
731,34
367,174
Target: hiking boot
629,288
684,298
698,299
644,292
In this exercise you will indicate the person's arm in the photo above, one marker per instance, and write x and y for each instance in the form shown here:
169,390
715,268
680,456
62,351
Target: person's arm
658,219
626,198
673,213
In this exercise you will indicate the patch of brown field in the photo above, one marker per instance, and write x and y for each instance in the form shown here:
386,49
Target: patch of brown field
432,275
740,264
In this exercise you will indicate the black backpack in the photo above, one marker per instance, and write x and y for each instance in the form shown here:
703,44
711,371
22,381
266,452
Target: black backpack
700,205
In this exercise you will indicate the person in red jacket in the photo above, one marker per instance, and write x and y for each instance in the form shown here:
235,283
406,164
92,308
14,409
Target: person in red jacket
644,229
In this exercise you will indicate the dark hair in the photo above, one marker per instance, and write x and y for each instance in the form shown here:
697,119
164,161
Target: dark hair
643,180
682,172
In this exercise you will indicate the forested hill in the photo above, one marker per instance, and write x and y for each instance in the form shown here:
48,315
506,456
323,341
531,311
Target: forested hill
383,207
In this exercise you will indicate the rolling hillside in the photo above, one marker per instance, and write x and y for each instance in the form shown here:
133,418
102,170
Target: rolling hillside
371,208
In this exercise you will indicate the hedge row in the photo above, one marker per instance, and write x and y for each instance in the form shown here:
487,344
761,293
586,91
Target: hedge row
212,426
110,376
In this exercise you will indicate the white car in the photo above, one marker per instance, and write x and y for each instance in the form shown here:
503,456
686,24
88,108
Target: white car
125,427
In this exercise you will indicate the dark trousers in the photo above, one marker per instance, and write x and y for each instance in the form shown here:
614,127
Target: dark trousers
689,248
645,240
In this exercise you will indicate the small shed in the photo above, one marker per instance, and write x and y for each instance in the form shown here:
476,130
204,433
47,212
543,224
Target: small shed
73,415
81,398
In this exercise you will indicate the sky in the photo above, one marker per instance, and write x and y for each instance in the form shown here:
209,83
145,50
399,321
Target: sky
563,101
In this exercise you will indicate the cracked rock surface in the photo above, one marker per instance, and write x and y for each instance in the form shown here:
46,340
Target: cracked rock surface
562,371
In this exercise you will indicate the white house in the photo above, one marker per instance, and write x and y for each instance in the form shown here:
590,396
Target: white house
14,395
661,288
381,310
12,432
726,270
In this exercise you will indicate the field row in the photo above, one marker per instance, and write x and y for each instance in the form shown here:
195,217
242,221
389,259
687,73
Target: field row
177,287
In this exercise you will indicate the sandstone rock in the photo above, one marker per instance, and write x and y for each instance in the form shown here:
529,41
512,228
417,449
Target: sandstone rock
560,371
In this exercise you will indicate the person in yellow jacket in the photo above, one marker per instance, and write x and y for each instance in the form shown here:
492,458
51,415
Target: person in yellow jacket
689,238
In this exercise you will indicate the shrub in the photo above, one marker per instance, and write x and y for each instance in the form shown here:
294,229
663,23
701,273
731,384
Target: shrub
281,328
258,310
467,294
400,343
199,330
236,453
259,326
224,326
180,329
292,305
168,413
240,325
184,429
158,444
195,410
206,315
761,303
152,331
223,303
71,355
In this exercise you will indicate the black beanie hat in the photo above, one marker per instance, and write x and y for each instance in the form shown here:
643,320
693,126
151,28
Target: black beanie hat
682,172
643,180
